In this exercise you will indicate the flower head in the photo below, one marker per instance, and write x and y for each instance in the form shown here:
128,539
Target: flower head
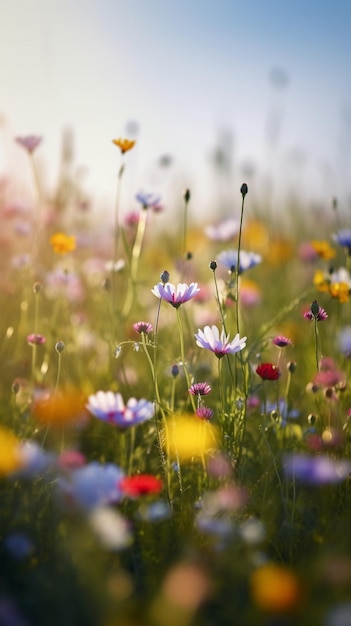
143,327
92,485
140,485
323,249
316,313
268,371
204,413
247,260
110,407
315,470
148,200
343,238
175,295
62,243
124,144
200,389
281,342
210,339
35,339
29,142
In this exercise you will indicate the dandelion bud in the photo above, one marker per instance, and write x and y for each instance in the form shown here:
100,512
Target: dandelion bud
186,195
213,265
59,347
244,189
291,367
37,287
164,277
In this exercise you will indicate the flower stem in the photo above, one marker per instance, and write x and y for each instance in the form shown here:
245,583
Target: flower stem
134,263
237,271
181,339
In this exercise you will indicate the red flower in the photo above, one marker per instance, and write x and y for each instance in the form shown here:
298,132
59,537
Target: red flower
268,371
140,485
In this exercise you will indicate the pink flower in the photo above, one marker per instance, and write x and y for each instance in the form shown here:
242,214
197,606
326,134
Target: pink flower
210,339
175,295
36,340
204,413
281,342
200,389
29,142
143,327
316,313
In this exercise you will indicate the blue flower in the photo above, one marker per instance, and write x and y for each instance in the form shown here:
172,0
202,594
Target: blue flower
344,341
315,470
93,485
343,238
148,200
247,260
18,545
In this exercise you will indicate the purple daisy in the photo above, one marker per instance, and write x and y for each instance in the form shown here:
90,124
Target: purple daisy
200,389
110,407
175,295
210,339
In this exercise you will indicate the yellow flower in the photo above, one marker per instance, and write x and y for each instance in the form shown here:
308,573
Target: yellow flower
124,144
64,408
323,249
275,588
62,243
10,457
321,282
189,437
341,291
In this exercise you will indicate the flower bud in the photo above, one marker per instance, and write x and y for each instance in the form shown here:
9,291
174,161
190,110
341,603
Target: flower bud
59,347
37,287
312,418
213,265
175,370
291,367
244,189
164,277
186,195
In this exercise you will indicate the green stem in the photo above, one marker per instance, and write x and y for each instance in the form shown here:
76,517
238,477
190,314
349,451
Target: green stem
237,270
134,263
182,356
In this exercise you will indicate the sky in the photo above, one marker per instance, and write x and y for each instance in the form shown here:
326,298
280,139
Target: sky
265,82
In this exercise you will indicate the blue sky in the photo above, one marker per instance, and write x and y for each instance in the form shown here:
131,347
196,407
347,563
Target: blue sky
185,71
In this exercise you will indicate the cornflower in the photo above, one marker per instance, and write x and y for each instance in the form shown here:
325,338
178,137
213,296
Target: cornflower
210,339
110,408
148,200
247,260
343,238
175,295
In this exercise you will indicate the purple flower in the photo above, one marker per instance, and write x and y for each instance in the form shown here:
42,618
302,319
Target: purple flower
175,295
344,341
199,389
204,413
315,470
93,485
225,230
148,200
316,313
281,342
247,260
36,340
143,327
110,407
343,238
29,142
210,339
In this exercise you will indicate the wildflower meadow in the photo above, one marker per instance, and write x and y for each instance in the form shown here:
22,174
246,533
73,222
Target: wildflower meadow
175,409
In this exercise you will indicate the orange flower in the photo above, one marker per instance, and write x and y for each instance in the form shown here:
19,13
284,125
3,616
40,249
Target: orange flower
124,144
64,408
62,243
341,291
321,282
323,249
10,457
275,588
